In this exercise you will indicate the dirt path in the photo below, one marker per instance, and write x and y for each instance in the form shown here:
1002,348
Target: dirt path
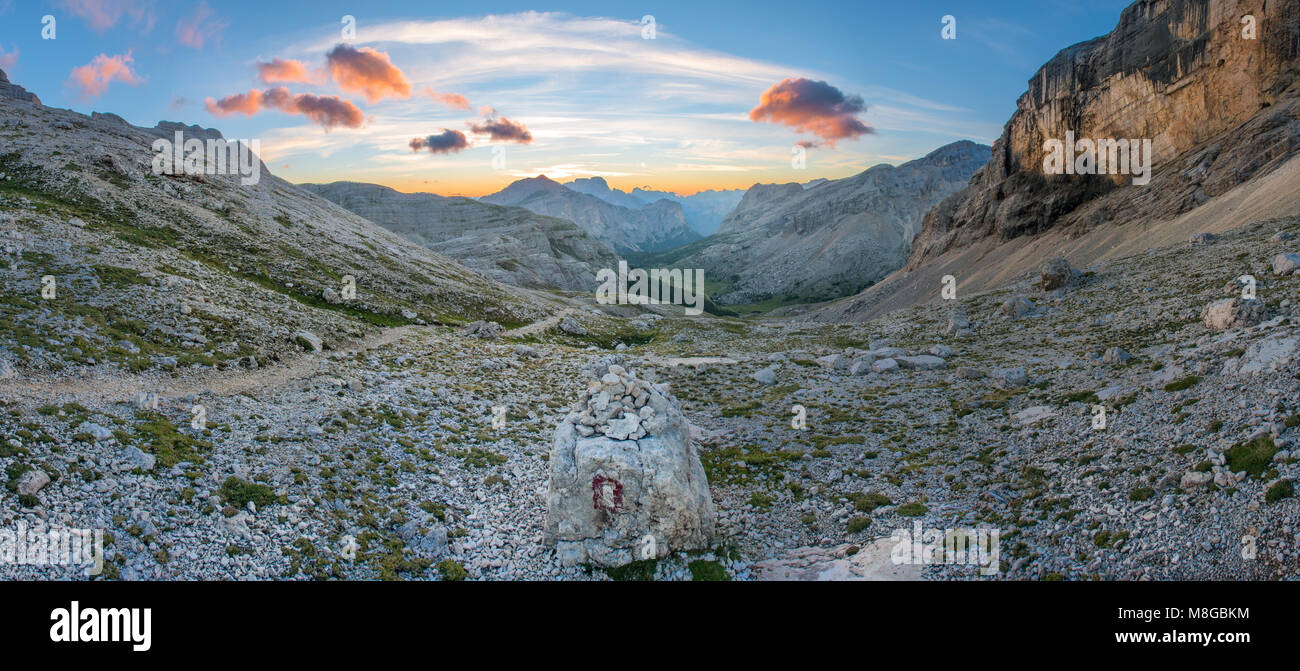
119,387
538,327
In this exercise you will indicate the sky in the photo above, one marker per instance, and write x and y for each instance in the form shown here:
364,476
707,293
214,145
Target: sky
461,98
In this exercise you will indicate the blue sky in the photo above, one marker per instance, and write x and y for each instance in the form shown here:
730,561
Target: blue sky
594,96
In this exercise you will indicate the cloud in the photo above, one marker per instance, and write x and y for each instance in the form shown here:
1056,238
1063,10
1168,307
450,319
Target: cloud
327,111
7,61
501,128
812,107
367,72
454,100
280,70
104,14
194,31
93,78
447,142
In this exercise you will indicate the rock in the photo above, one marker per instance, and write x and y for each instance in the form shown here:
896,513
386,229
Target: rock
884,365
766,375
310,342
613,500
482,329
1281,236
1232,312
138,458
1055,274
409,314
1017,307
921,362
1034,414
7,369
957,322
1203,239
526,352
1266,356
32,481
572,327
1285,264
942,351
1012,378
100,433
1194,479
860,366
331,296
433,543
1115,355
833,362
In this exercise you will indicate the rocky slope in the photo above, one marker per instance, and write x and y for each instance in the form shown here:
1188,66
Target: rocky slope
507,244
789,243
158,272
657,226
1223,114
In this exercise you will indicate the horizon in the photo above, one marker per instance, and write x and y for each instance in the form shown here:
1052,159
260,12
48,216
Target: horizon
468,101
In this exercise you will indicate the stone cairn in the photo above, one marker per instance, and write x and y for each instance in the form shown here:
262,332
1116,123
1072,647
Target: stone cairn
626,482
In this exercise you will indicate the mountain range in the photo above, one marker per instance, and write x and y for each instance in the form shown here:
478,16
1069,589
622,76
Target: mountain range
508,244
805,243
654,227
703,210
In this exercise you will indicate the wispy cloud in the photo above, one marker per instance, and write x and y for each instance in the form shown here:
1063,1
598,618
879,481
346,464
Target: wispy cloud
200,27
104,14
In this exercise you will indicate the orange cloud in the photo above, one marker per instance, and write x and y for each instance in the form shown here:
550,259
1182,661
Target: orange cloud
94,77
194,31
7,61
812,107
446,142
280,70
104,14
455,100
367,72
327,111
501,128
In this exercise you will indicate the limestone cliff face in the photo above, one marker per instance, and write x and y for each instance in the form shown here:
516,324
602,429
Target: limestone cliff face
1219,108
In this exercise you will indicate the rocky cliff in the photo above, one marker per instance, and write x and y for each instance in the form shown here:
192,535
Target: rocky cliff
508,244
15,92
1219,108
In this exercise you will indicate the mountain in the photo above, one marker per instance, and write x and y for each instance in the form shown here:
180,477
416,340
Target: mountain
789,243
655,227
598,187
508,244
149,270
1222,112
704,210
